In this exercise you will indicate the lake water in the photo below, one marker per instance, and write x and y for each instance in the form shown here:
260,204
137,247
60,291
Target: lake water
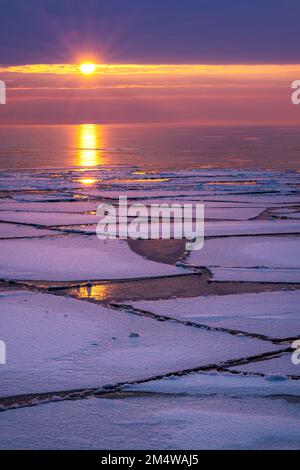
150,146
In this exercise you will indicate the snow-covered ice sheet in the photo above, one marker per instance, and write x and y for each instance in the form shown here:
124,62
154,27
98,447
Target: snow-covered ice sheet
271,252
274,314
71,207
217,213
85,206
270,200
76,258
58,343
279,365
261,274
208,204
286,213
20,231
42,197
48,218
234,213
285,210
155,422
222,213
216,229
198,384
253,227
142,193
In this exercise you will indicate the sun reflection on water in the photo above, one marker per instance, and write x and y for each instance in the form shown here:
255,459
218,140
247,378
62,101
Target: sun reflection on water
90,140
87,181
96,292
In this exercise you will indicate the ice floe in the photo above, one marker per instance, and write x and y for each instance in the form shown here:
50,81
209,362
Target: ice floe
21,231
48,218
248,252
160,421
70,207
198,384
76,258
260,274
58,343
279,365
274,314
255,227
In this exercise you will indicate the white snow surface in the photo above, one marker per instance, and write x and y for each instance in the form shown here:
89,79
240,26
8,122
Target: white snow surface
253,227
272,252
76,258
71,207
48,218
58,343
274,314
21,231
198,384
155,422
278,365
260,274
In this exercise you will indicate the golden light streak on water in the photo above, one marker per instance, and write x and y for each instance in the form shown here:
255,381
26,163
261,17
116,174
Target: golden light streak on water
90,138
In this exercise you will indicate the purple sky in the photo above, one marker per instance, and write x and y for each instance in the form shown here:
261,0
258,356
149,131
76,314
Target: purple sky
144,31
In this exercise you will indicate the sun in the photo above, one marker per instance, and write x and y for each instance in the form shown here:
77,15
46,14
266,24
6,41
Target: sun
87,68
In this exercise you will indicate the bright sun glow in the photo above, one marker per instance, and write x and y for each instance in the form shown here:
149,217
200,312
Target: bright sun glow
87,181
87,68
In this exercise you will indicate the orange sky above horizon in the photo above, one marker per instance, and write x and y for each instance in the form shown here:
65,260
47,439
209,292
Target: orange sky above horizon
125,93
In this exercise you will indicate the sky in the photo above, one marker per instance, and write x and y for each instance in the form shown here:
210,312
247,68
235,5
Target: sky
150,31
211,61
